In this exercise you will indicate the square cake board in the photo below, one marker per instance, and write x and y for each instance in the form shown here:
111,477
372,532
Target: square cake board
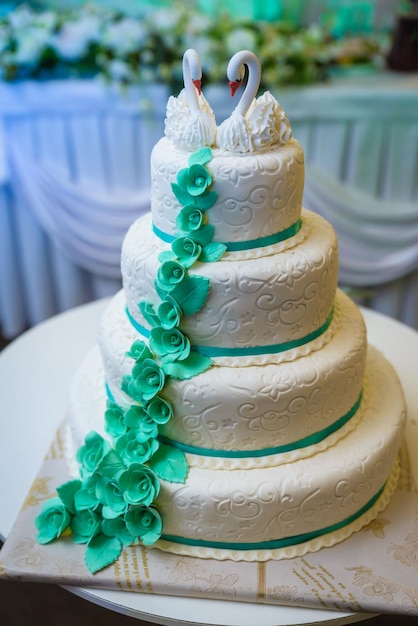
373,571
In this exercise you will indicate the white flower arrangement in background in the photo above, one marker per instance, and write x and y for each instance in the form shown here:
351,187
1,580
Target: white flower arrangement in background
96,42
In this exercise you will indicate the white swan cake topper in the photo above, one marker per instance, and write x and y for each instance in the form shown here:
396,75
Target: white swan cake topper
190,122
256,124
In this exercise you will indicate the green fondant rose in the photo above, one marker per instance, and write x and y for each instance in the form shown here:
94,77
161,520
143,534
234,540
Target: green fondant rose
110,495
139,349
131,450
159,410
169,313
148,311
186,251
145,523
90,455
195,179
52,520
140,485
116,527
86,497
85,525
190,218
170,345
115,424
149,378
141,423
170,274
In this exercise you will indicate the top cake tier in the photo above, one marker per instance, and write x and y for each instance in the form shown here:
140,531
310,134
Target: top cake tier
259,194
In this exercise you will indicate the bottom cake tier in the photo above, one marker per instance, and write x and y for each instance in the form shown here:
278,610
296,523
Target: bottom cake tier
277,511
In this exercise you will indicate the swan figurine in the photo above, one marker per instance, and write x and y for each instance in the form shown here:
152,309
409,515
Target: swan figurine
256,123
190,122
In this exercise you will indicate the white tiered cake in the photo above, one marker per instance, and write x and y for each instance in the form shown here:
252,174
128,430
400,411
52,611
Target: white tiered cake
247,416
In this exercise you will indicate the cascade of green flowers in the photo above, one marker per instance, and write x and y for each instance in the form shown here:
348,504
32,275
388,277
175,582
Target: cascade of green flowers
112,504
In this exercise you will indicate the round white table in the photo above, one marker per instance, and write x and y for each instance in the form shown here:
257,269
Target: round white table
35,374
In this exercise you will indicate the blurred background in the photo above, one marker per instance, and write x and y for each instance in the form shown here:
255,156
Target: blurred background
83,88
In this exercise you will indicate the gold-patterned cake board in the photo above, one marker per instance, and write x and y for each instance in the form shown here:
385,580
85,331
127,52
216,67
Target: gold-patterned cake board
374,571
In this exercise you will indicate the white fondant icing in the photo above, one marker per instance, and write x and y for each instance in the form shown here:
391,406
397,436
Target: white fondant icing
259,302
259,194
267,503
251,406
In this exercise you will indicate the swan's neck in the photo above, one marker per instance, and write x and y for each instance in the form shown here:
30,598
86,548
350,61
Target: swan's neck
191,68
253,83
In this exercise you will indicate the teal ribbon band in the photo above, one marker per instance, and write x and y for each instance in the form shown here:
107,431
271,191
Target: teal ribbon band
240,246
295,445
213,351
275,543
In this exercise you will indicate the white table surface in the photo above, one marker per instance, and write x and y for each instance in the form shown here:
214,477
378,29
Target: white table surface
35,374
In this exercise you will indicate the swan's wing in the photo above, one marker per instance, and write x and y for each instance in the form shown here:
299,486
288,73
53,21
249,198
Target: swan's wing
177,112
268,122
204,106
234,134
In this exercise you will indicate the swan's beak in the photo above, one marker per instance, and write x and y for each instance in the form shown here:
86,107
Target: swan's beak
198,85
234,85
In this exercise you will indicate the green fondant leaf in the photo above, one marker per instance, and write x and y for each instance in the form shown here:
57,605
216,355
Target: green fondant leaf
192,366
181,194
111,465
167,255
206,200
149,314
212,252
162,292
203,235
67,493
191,294
201,156
170,464
101,552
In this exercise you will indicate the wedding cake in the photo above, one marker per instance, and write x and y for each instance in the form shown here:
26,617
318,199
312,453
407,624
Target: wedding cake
232,408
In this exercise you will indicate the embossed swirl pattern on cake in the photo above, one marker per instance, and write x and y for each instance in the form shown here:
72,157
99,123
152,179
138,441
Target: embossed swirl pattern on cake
260,302
255,407
258,195
269,503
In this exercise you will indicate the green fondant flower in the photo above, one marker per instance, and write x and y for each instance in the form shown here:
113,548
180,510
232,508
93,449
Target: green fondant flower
186,250
169,313
90,455
149,378
52,520
116,527
131,450
159,410
115,424
130,387
85,525
139,349
148,311
144,522
110,495
141,422
190,218
170,345
170,274
195,179
67,492
86,497
140,485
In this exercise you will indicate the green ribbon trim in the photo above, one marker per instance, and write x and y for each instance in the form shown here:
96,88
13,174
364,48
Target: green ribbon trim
213,351
240,246
275,543
296,445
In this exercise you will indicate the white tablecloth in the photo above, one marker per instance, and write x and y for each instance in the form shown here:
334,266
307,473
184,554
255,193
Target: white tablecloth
74,173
